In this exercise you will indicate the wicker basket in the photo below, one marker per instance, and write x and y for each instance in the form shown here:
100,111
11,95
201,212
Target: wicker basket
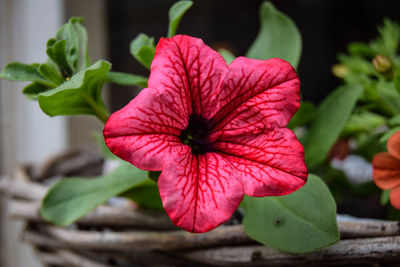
128,236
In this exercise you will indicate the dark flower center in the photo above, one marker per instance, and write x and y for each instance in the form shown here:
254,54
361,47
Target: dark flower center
196,135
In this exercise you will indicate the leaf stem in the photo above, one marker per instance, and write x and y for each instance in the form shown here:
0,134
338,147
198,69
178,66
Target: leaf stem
100,113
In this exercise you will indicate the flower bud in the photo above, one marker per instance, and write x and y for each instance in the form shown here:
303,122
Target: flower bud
381,63
340,70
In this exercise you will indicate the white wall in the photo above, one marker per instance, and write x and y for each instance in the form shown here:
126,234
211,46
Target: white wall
27,135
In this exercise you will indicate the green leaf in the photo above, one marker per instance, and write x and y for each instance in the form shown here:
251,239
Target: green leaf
72,198
278,37
394,121
385,197
363,121
301,222
385,137
175,15
227,55
304,115
390,97
17,71
330,119
360,49
78,96
31,91
143,49
127,79
50,73
56,52
146,194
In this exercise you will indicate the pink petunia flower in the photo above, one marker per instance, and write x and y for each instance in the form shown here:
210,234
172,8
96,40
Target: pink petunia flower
216,132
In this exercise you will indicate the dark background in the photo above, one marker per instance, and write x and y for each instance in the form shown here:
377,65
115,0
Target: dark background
326,28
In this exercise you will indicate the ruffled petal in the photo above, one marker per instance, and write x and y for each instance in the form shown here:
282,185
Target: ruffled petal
393,145
146,131
190,72
199,192
256,95
271,164
386,170
395,197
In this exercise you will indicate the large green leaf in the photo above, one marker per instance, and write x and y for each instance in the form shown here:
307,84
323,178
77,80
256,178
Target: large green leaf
142,48
301,222
79,95
175,15
127,79
278,37
72,198
330,119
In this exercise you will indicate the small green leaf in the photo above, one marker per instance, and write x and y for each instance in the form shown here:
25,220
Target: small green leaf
72,198
301,222
50,73
31,91
146,194
396,77
278,37
17,71
175,15
385,137
330,119
56,52
385,197
127,79
394,121
360,49
390,96
227,55
304,115
142,48
78,96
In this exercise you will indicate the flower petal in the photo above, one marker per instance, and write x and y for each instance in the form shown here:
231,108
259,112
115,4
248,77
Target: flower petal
190,72
271,163
393,145
146,131
386,170
199,192
395,197
257,94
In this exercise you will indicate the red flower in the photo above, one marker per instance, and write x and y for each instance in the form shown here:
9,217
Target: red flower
216,132
386,172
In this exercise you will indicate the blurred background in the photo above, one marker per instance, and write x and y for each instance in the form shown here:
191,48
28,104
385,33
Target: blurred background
27,135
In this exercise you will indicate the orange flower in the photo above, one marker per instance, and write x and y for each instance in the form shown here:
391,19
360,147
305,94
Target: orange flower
386,171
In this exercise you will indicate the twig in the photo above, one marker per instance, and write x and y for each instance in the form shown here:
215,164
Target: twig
67,258
369,250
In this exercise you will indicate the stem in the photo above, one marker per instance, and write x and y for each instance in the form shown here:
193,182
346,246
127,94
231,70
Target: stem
100,113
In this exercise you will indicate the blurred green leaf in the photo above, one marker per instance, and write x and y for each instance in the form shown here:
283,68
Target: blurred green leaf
146,194
227,55
72,198
127,79
78,96
385,197
363,121
389,96
175,15
387,43
330,119
361,49
301,222
394,121
101,144
153,175
142,48
385,137
304,115
278,37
